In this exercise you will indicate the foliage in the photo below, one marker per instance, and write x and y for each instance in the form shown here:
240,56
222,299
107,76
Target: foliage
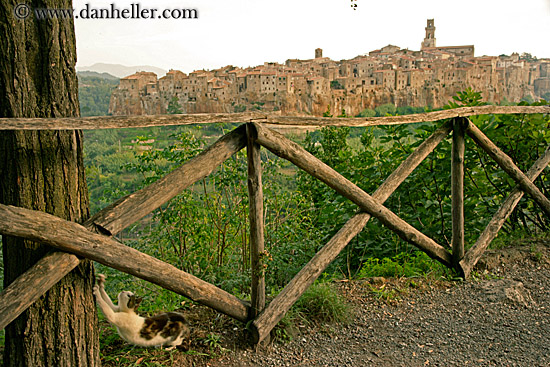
204,229
528,57
239,108
402,265
343,114
323,303
327,112
335,84
367,112
174,106
390,109
94,94
423,200
385,110
408,110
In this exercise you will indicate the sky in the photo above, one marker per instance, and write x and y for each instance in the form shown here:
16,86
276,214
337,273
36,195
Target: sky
250,32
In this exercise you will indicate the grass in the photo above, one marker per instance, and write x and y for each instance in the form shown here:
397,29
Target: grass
321,304
406,265
518,237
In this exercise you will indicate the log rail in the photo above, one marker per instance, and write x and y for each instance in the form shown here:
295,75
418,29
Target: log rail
93,239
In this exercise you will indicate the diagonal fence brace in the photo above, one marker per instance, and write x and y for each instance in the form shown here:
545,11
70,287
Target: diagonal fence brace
74,238
135,206
279,306
476,251
131,208
293,152
508,165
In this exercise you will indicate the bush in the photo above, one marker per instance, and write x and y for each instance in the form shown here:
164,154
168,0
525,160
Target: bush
320,303
402,265
323,303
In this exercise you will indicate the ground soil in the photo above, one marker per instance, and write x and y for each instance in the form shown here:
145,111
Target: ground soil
500,317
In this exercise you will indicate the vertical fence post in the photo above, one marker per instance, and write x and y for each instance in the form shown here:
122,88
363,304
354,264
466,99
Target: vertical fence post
457,190
256,218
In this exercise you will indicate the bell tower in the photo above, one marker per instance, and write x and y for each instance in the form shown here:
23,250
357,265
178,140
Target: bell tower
429,40
318,53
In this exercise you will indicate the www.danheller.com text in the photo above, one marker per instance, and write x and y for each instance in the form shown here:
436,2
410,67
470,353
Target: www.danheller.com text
133,11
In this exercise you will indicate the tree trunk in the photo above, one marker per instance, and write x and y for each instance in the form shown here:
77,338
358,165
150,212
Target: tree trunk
44,170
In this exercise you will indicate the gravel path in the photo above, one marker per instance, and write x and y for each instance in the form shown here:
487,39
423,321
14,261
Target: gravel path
500,319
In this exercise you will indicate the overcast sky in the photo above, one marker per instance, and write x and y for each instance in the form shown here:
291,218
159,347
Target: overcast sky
248,32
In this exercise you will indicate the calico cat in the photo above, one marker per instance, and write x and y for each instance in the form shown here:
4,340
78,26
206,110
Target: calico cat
165,329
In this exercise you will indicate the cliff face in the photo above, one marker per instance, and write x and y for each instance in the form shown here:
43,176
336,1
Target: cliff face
122,103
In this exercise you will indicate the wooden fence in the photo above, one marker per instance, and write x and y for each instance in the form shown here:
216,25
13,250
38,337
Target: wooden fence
93,239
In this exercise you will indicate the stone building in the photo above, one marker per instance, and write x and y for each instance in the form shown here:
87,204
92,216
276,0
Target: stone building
136,84
429,76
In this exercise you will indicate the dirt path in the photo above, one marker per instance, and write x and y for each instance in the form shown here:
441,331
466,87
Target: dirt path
502,318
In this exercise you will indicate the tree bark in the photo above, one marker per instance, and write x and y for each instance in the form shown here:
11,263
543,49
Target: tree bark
44,170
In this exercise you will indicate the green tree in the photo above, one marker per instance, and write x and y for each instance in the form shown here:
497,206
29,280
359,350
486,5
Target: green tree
367,112
94,94
327,112
385,109
528,98
204,230
335,84
528,57
423,200
174,106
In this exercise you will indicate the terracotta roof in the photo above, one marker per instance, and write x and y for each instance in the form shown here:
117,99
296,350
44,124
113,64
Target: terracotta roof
454,47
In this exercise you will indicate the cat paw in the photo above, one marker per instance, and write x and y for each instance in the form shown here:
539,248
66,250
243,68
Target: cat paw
96,291
101,279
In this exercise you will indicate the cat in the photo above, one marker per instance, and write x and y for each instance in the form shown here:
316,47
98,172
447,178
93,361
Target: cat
166,329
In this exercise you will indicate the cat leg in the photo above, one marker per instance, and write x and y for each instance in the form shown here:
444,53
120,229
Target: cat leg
173,344
104,295
105,307
177,341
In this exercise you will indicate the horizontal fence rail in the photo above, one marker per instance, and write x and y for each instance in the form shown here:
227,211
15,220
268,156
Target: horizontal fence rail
93,239
274,118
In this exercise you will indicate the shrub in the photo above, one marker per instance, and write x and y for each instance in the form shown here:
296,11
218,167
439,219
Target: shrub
323,303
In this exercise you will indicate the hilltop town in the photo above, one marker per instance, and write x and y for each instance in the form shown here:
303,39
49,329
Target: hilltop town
402,77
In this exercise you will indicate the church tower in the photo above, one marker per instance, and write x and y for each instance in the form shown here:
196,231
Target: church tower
318,53
429,40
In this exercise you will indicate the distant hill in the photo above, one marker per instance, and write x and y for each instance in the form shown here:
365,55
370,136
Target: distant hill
94,92
120,71
95,74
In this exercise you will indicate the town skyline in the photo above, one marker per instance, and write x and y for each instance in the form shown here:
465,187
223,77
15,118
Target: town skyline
248,33
389,75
